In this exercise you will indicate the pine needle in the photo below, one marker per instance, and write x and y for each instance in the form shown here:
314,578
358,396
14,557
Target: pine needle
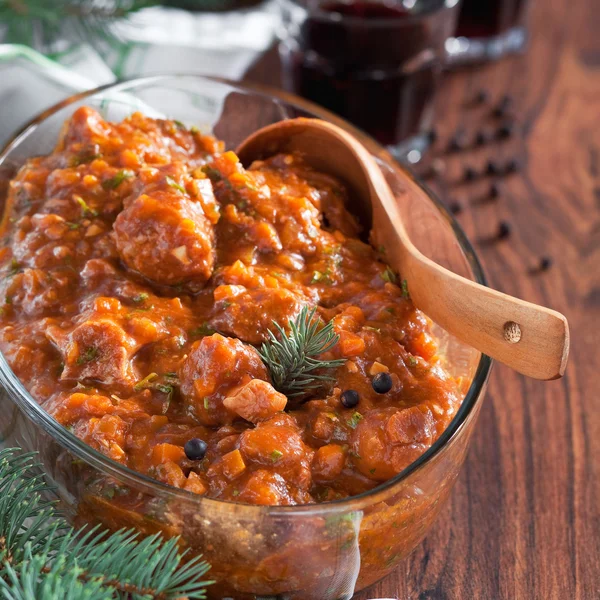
291,357
41,556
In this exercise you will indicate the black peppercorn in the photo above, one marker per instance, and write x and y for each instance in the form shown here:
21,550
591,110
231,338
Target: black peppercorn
458,141
505,131
470,174
504,230
382,383
545,263
483,137
512,166
349,398
455,207
195,449
482,96
492,168
504,106
432,135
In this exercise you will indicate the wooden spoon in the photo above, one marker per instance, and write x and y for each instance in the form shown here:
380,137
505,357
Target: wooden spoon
531,339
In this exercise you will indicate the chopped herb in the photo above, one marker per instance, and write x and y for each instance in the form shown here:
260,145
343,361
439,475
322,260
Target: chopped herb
235,493
390,310
140,297
194,129
85,208
172,183
212,173
354,419
389,276
171,375
276,455
405,293
90,354
331,416
179,124
143,383
84,157
321,277
225,304
372,471
369,328
354,454
72,226
206,403
381,249
114,182
165,389
412,361
204,329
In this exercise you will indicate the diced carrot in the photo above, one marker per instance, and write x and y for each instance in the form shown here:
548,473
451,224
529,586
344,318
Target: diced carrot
233,464
351,344
194,484
162,453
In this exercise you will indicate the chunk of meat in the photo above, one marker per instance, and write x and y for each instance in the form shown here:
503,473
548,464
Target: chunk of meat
98,351
277,444
214,367
249,314
167,237
107,434
388,440
328,463
267,488
256,401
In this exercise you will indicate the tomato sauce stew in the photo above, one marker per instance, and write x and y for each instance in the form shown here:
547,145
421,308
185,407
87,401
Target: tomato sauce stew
143,268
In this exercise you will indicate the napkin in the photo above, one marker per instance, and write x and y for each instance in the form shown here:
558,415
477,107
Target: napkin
153,40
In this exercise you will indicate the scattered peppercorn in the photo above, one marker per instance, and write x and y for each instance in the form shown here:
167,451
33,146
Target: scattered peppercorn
512,166
505,131
482,96
382,383
483,137
504,230
195,449
458,141
349,398
503,108
545,263
432,135
470,174
455,207
492,168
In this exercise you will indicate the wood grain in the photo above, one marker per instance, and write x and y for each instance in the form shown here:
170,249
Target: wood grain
524,518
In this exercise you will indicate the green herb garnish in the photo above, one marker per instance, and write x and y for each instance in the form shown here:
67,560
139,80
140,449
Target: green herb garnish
405,293
291,357
114,182
172,183
389,276
85,208
140,297
204,329
90,353
354,419
412,361
276,455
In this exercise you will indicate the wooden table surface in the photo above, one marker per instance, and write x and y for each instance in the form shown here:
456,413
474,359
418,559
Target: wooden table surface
524,518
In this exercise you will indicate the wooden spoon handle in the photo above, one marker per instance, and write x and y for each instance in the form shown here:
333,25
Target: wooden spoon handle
531,339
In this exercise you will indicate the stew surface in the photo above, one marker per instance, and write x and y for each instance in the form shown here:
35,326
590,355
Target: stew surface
143,268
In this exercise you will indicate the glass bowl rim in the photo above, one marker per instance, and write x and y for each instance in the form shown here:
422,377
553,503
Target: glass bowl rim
378,22
106,465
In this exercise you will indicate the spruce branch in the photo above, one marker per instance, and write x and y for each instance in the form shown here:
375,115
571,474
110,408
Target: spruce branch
41,556
292,357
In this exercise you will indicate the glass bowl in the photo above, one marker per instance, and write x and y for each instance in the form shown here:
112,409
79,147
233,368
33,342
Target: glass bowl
312,552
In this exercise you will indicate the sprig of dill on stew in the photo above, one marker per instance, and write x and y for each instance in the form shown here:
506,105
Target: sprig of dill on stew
291,357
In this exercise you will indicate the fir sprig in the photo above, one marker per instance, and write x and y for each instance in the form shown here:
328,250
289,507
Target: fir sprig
292,357
39,22
42,557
